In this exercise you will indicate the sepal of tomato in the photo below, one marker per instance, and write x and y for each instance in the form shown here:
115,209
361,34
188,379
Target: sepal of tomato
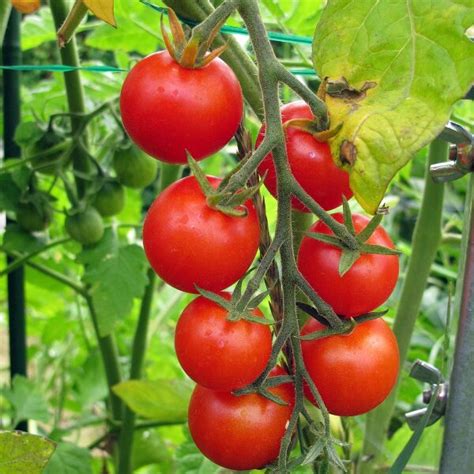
365,286
189,244
353,372
217,353
240,432
168,109
310,162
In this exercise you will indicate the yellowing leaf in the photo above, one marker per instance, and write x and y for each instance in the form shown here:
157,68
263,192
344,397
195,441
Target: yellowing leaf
410,60
103,9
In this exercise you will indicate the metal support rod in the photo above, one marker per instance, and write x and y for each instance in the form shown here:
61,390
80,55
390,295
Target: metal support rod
458,455
11,55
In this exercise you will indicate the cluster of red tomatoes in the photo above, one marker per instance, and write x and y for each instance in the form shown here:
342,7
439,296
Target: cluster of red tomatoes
168,111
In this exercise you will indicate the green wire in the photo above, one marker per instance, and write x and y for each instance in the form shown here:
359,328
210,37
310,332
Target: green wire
273,35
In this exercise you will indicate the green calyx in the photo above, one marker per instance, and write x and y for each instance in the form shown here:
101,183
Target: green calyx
347,326
190,53
235,313
231,204
350,255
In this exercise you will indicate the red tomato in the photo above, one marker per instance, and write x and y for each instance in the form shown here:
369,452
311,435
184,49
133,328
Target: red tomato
188,243
354,372
167,109
240,432
217,353
310,162
368,283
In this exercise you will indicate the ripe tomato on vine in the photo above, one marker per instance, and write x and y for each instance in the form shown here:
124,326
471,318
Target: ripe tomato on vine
240,432
365,286
169,110
353,372
310,162
189,244
217,353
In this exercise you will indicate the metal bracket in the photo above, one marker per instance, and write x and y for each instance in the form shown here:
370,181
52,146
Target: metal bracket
427,373
461,154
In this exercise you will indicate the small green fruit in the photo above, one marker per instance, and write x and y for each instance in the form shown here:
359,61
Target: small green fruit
110,199
134,168
86,227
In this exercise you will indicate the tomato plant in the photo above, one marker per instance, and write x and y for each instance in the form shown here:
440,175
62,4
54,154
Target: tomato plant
310,161
240,432
220,354
353,372
168,109
367,284
190,244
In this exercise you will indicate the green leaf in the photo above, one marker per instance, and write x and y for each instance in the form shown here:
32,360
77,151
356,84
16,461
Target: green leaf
106,246
159,400
189,460
23,453
326,238
69,459
414,61
27,401
138,30
10,193
37,29
149,447
16,239
115,281
28,133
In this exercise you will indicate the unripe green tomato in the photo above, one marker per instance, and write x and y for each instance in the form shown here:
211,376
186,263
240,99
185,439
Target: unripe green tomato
110,199
134,168
86,227
33,218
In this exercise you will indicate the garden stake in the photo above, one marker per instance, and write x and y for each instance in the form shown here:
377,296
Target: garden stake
16,279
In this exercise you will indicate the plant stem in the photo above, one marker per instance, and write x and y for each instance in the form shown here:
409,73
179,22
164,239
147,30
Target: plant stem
425,242
52,273
125,443
24,258
75,16
168,174
109,352
74,93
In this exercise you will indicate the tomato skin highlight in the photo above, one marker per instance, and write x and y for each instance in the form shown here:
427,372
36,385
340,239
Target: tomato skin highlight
353,372
368,283
240,432
188,243
219,354
310,162
168,109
